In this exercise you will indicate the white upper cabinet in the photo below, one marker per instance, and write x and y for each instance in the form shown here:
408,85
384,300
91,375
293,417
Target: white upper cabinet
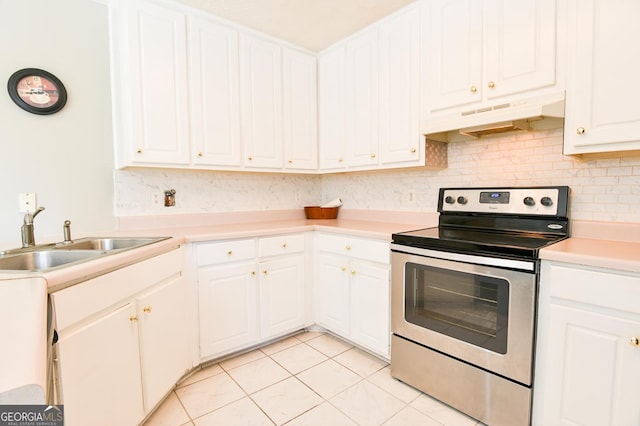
215,94
156,83
362,99
300,110
261,103
482,52
331,108
602,112
399,98
369,97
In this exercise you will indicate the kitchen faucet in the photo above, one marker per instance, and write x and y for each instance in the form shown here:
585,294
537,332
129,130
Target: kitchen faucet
28,239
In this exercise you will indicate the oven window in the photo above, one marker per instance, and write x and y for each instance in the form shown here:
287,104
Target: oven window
469,307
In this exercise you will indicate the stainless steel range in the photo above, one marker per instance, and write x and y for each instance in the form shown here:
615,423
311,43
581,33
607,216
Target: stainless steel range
464,298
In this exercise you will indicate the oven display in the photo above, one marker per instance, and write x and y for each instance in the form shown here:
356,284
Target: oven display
494,197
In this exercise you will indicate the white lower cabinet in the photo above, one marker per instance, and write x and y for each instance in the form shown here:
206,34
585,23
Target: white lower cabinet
352,290
588,357
115,331
250,291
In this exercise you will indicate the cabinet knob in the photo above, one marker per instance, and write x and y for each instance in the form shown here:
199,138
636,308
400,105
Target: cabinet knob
373,155
353,272
230,252
290,161
413,150
265,272
284,245
580,130
634,341
253,273
146,309
473,89
340,160
133,318
343,268
250,158
348,247
139,151
491,84
200,154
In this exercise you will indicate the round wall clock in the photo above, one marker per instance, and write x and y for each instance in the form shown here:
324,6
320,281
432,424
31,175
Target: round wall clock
37,91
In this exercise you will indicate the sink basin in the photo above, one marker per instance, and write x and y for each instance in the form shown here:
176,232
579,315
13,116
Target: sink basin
45,259
108,244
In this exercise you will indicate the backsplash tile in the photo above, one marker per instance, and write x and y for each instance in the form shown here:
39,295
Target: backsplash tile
605,187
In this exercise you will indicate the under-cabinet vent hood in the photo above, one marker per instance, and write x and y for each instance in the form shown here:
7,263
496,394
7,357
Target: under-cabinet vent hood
529,114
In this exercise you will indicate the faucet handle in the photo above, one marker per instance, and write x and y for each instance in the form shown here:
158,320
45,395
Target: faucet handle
66,230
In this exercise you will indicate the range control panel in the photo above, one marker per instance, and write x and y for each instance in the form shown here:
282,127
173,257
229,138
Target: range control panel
545,201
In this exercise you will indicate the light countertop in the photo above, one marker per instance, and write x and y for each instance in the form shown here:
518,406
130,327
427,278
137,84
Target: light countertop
599,245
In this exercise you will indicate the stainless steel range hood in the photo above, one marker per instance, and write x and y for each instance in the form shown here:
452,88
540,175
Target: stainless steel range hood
546,112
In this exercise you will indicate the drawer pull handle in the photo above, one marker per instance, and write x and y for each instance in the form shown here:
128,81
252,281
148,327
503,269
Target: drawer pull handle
133,318
634,341
147,309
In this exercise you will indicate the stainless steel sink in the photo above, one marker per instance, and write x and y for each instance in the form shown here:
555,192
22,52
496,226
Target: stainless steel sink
108,244
46,259
50,256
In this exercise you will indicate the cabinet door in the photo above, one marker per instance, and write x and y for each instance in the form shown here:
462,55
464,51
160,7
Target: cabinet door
282,298
99,368
370,306
453,53
164,348
602,111
227,308
332,290
592,370
158,85
215,94
520,46
300,111
332,108
362,99
261,88
400,138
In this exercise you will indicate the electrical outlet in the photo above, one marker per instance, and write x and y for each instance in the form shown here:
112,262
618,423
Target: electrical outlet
27,202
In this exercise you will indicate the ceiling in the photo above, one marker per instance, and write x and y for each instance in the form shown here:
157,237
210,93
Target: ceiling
312,24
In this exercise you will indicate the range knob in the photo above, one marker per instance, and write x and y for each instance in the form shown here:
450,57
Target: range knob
546,201
449,199
529,201
462,200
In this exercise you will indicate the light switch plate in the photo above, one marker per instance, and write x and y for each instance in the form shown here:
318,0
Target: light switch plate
27,202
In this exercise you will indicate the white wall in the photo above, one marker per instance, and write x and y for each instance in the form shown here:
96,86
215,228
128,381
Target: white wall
65,158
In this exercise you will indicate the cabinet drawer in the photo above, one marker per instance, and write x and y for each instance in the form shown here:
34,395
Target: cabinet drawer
281,244
225,251
85,299
599,288
361,248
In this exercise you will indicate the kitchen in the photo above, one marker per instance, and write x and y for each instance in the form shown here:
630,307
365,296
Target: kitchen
67,158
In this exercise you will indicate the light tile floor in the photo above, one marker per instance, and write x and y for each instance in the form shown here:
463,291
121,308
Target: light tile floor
310,379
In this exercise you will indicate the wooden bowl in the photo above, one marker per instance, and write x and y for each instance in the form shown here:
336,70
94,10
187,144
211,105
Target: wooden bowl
317,212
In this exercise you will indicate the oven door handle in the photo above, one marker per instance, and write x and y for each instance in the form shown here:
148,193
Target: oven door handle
522,265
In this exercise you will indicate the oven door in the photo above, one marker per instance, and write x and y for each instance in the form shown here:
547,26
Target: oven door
483,315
